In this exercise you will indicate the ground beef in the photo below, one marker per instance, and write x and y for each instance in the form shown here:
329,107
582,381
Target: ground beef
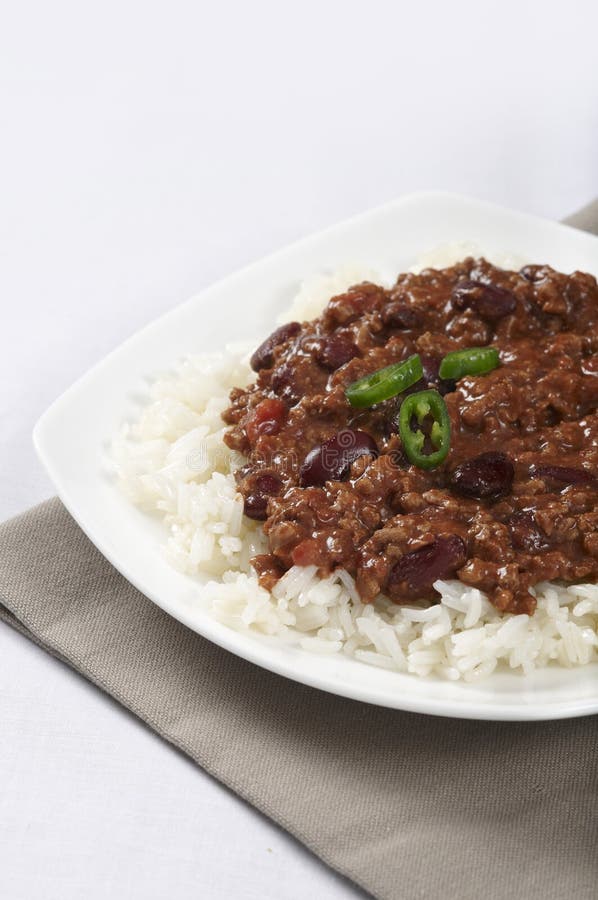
398,528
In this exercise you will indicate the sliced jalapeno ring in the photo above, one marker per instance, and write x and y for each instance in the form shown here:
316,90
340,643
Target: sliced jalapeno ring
420,406
385,383
473,361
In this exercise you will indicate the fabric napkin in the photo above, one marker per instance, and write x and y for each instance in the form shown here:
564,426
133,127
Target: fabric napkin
407,806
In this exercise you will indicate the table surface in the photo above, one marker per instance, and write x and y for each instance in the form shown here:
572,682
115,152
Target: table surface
148,150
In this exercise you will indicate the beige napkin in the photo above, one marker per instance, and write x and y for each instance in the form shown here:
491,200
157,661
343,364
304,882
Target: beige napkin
407,806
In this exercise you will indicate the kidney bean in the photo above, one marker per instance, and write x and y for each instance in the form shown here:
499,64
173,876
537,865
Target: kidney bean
398,315
265,485
335,351
332,460
525,533
565,475
431,365
487,476
255,506
415,572
263,356
488,300
283,384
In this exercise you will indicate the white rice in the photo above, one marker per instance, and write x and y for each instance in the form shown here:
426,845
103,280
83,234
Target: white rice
173,461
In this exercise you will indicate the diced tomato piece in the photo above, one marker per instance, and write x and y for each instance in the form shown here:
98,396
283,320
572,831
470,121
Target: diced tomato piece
307,553
266,418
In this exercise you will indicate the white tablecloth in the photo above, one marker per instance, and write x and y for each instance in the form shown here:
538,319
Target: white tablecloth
148,149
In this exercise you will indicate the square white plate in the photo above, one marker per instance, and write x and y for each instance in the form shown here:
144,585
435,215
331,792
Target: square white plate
72,436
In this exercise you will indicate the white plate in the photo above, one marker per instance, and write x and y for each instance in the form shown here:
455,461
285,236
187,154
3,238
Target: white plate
72,436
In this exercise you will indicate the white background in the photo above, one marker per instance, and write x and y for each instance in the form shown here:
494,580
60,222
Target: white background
147,149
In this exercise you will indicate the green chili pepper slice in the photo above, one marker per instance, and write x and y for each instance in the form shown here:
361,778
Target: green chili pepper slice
420,406
385,383
473,361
